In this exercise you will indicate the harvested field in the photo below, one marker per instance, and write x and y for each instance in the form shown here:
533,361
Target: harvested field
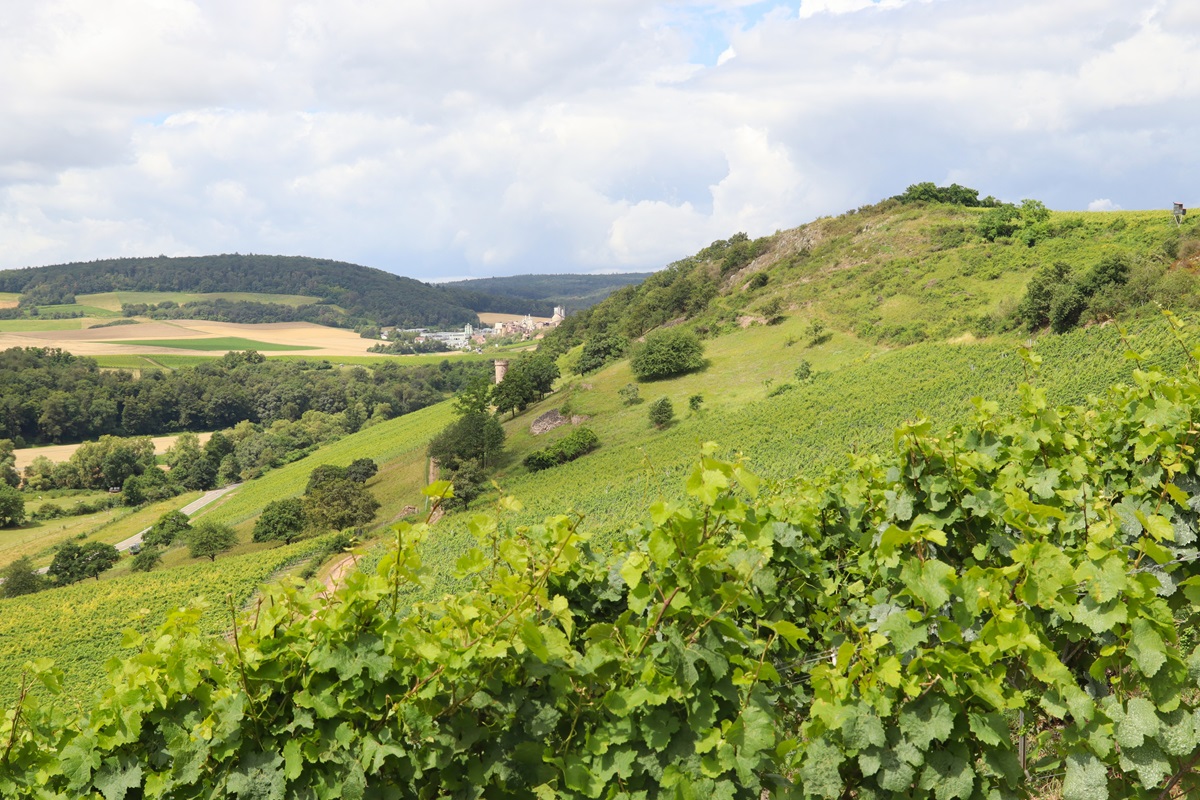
122,340
488,318
62,452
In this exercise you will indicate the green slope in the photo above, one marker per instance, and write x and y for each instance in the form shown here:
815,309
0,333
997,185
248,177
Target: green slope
898,274
863,388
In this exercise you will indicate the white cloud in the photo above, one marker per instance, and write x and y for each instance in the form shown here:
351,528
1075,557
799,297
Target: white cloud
461,138
1103,204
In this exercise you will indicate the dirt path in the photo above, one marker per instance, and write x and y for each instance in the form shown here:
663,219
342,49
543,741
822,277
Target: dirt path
339,570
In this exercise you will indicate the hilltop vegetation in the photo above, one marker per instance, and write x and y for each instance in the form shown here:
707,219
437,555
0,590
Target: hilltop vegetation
905,271
573,292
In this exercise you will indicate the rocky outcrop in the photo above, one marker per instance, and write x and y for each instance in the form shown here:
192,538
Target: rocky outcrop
547,422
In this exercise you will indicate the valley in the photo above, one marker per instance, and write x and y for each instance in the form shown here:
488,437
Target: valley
846,365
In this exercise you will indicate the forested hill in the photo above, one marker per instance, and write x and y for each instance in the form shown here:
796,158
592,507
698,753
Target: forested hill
362,293
573,292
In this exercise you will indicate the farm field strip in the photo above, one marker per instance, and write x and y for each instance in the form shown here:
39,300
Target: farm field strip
223,344
27,325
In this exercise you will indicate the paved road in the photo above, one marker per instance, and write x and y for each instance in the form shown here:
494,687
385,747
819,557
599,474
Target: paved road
190,509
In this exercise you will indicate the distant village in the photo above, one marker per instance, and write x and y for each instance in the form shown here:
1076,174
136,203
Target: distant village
470,336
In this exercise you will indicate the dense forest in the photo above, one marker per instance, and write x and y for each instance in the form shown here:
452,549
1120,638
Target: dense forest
364,295
48,395
573,292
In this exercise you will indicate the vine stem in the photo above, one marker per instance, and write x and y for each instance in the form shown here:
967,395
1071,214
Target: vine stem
237,647
661,610
762,660
541,579
16,723
1178,776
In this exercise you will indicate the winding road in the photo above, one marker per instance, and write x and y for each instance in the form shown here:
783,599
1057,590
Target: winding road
190,509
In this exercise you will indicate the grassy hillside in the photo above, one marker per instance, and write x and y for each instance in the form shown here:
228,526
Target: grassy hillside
865,276
898,274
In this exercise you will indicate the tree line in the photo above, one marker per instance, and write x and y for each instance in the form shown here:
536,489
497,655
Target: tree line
49,395
348,294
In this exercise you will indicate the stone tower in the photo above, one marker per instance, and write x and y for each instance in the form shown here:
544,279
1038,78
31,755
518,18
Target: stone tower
501,366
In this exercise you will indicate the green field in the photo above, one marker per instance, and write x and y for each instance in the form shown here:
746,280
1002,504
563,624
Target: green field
396,445
112,301
83,308
80,626
170,361
130,362
22,325
216,344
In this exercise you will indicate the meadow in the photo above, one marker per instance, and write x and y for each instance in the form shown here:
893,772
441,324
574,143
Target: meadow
39,539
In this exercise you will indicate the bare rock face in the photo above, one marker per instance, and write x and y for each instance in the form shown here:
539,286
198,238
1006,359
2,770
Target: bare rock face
547,422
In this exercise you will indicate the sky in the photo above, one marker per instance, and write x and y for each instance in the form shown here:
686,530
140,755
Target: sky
444,139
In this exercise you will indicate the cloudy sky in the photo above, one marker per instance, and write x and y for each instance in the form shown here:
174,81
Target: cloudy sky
446,138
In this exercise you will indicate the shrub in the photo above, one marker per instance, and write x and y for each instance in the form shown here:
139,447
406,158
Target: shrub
577,443
12,507
599,351
469,480
629,394
817,335
20,577
210,539
666,353
662,413
168,527
281,520
362,470
695,401
146,559
803,371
